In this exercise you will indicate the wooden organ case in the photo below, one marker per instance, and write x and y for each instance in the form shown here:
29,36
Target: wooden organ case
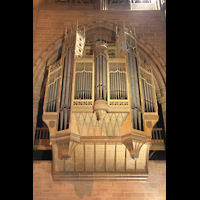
100,108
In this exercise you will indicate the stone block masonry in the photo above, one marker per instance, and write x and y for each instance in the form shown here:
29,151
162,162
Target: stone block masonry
45,188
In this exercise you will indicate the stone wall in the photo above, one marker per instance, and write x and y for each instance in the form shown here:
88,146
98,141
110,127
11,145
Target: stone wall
45,188
52,18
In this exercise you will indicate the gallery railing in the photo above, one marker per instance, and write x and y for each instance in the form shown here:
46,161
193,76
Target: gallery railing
42,136
157,136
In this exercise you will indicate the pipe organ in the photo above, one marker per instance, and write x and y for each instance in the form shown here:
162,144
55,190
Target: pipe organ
100,108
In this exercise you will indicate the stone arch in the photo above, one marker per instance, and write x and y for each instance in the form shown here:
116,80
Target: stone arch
146,52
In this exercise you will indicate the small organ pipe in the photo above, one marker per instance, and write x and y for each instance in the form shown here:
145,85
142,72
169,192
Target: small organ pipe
48,99
117,76
90,84
101,70
54,96
104,78
97,79
123,84
150,99
120,85
147,98
57,93
111,87
145,95
50,94
51,99
86,83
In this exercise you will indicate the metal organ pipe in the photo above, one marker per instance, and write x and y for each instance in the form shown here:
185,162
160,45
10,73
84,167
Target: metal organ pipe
104,78
66,92
100,71
51,101
134,92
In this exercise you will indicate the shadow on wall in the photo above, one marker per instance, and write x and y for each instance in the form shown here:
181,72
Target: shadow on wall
82,188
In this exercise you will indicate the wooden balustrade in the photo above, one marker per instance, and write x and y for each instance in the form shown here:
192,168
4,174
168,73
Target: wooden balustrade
42,138
157,139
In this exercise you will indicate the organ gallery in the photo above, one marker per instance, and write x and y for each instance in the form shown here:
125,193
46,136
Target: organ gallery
100,105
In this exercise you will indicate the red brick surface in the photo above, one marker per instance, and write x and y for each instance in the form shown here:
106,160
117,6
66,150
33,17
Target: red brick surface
50,21
44,187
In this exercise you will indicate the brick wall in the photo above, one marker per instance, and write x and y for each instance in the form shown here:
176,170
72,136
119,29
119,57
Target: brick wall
51,19
44,188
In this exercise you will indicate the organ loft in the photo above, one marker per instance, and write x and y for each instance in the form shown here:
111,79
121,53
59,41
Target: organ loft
100,105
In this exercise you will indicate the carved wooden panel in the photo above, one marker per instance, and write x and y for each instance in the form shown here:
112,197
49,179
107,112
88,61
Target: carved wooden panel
89,125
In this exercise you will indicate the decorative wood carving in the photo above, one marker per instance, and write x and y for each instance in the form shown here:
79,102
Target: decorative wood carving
108,126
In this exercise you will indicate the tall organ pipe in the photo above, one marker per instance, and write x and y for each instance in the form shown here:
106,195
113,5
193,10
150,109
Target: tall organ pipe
65,103
100,104
134,92
100,51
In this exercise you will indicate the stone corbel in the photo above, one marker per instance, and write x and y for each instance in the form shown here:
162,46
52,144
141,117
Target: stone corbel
133,143
67,144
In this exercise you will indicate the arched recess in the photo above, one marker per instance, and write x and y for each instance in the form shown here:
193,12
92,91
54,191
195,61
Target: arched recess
104,30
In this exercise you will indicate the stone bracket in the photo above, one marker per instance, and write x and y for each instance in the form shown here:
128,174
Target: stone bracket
67,143
133,143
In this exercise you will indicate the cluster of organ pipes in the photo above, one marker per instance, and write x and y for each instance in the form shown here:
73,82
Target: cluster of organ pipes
147,92
83,81
52,98
118,81
134,92
53,87
65,102
100,78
